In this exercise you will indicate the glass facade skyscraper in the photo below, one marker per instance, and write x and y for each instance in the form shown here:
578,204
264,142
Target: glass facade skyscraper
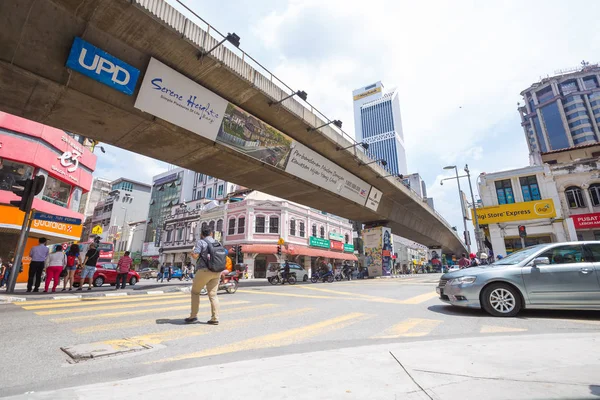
377,122
562,111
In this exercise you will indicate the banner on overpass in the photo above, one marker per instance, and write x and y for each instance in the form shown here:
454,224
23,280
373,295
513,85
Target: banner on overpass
177,99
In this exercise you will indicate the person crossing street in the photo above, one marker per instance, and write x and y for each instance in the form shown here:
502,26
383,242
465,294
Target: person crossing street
38,256
123,267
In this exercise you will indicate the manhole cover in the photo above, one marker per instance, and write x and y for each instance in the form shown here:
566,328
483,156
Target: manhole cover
109,348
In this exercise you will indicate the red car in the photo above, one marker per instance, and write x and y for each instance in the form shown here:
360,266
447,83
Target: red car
107,273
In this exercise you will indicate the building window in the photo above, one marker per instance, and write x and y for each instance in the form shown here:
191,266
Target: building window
590,82
204,226
179,234
322,231
220,191
211,225
274,225
545,94
259,225
574,197
314,230
301,226
568,87
11,171
346,238
293,227
504,192
56,192
241,225
231,229
595,194
557,136
209,193
168,237
529,188
220,225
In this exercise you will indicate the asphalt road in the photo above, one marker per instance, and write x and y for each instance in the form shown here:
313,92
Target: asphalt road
258,322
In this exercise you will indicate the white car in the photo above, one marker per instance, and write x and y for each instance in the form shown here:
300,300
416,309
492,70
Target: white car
301,274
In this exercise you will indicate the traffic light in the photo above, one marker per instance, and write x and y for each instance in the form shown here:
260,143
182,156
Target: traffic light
278,250
522,231
240,255
27,189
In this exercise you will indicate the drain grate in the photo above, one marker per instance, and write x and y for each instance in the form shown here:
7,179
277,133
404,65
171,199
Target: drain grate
108,348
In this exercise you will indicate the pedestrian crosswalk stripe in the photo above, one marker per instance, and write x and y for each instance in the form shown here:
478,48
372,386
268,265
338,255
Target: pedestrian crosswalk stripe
278,339
86,299
420,298
356,296
142,322
137,312
287,294
200,329
413,327
500,329
129,299
93,307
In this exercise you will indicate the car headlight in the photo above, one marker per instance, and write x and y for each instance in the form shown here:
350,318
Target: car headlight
462,280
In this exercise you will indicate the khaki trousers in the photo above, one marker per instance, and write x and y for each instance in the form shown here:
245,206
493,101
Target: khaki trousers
210,279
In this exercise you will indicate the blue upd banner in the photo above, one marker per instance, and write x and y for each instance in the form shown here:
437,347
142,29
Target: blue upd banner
103,67
56,218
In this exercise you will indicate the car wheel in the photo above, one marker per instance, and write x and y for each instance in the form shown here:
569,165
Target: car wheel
305,279
99,281
133,280
501,300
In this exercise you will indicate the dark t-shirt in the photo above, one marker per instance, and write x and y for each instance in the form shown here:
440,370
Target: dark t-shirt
92,257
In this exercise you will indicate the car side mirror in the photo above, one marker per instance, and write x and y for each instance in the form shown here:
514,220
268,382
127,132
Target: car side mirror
541,261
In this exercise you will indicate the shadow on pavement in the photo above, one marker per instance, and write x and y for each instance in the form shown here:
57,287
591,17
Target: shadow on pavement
525,314
176,321
458,311
595,390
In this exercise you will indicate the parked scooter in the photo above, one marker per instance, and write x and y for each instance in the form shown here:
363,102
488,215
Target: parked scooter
322,276
229,282
291,278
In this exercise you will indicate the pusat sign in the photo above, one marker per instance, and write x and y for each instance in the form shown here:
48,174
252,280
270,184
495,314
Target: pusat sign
103,67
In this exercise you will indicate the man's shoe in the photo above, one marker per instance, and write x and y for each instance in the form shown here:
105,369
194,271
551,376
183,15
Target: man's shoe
28,290
190,320
36,290
212,322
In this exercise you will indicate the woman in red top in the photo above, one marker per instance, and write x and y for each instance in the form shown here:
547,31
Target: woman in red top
123,267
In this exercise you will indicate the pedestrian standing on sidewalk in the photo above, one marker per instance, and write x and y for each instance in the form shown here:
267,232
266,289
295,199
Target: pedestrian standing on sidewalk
38,255
210,256
5,268
123,267
464,261
73,260
55,263
89,266
160,274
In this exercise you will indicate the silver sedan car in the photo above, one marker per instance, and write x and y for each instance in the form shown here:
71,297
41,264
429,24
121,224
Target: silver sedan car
556,276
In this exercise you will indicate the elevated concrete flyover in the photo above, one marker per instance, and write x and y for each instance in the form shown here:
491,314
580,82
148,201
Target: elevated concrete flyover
36,37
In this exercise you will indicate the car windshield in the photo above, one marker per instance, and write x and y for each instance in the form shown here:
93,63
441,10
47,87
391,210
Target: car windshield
519,256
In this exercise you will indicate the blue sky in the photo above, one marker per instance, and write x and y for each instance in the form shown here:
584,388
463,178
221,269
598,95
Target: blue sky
459,67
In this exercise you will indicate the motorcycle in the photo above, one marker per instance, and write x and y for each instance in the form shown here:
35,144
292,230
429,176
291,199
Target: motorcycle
228,282
291,279
322,276
344,274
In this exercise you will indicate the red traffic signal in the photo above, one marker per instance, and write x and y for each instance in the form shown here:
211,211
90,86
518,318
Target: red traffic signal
278,250
522,231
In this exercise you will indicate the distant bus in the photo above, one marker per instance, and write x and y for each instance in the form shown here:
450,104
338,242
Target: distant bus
106,250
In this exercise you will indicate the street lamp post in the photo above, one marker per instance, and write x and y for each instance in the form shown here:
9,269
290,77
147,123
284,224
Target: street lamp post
462,206
478,235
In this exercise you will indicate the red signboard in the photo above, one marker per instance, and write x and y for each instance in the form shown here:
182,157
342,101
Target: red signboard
586,221
337,245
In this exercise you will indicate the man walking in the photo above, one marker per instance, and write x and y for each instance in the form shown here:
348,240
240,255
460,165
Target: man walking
123,267
464,261
89,266
38,256
210,256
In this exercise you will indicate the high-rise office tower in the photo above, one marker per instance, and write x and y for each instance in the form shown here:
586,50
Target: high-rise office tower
562,111
377,122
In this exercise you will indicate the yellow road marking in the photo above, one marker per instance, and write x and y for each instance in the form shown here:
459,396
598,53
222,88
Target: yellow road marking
105,300
286,294
278,339
583,321
412,327
420,298
137,312
142,322
356,296
499,329
87,308
187,331
90,299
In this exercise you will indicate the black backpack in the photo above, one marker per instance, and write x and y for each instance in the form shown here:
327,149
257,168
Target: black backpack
217,256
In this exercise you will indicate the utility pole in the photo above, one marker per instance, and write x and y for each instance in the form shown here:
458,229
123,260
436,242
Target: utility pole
462,205
478,238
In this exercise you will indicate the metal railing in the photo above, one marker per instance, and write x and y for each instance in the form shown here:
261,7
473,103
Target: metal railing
248,68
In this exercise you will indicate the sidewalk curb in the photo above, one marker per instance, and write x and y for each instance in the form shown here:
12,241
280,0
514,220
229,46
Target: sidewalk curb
13,299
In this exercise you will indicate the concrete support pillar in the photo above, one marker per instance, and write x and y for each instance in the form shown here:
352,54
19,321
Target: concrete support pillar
249,261
307,266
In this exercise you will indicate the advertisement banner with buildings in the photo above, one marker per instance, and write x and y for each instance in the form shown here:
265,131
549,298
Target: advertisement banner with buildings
387,251
516,212
175,98
372,249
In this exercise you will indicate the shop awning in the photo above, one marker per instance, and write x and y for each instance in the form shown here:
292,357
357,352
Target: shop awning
295,250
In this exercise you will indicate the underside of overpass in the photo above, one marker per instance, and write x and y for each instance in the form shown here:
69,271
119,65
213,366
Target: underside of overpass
36,37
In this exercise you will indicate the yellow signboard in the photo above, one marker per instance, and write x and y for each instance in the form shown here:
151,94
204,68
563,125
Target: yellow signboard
97,230
367,93
516,212
281,241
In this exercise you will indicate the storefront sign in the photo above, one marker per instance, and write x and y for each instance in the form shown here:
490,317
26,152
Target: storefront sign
56,218
336,245
348,248
374,199
517,212
336,236
97,64
171,96
586,221
12,218
318,242
367,93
